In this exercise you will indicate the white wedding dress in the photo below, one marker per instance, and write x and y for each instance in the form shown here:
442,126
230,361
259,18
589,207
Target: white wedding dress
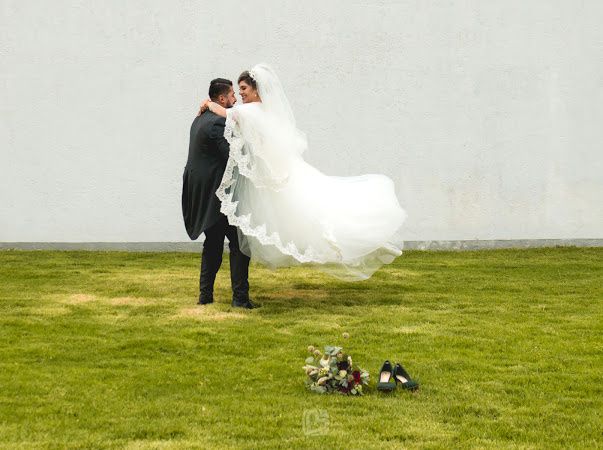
287,211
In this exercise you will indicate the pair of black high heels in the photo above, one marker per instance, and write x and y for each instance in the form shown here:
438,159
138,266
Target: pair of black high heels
389,378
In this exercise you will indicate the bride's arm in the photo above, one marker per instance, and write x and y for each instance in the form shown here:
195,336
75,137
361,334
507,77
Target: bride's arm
213,107
216,108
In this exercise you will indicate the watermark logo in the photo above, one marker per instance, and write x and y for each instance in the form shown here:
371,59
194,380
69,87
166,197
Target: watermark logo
315,422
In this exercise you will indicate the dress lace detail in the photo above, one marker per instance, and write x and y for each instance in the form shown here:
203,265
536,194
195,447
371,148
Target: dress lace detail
240,160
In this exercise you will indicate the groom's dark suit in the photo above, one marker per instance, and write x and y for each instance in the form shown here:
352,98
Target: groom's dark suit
207,156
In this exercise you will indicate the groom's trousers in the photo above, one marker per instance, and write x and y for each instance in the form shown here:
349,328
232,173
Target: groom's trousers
211,260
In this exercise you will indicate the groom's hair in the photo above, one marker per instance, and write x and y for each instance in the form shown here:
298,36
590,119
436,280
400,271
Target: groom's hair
219,86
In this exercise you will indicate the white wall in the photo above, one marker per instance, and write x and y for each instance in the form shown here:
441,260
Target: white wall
488,114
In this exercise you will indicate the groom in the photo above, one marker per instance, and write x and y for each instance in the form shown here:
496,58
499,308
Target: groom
207,156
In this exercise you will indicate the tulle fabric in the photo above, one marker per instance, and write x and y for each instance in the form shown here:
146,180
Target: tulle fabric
289,213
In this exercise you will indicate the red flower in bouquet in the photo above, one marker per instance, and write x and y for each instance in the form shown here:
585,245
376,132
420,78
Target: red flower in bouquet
345,389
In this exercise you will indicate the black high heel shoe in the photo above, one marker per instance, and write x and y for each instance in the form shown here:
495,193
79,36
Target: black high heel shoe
385,383
401,376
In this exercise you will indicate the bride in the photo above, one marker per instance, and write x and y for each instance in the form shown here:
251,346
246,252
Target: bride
288,212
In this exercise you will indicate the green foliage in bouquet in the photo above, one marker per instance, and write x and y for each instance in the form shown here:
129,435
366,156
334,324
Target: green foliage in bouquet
334,371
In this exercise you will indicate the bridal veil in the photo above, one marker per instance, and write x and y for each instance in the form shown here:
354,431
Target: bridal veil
287,211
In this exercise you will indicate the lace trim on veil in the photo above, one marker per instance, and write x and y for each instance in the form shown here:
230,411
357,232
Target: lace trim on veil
239,160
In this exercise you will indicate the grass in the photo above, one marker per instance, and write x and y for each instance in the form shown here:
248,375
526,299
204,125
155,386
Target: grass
109,350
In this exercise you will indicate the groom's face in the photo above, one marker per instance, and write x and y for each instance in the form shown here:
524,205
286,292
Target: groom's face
230,99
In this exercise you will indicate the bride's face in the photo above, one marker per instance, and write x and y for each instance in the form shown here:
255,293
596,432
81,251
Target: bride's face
248,93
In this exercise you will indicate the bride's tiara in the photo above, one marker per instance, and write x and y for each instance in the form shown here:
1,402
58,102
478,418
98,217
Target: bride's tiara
251,74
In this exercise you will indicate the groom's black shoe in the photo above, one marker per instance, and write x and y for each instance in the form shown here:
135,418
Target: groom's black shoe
205,300
244,303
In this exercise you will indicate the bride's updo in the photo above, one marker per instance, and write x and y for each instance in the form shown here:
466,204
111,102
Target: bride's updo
246,77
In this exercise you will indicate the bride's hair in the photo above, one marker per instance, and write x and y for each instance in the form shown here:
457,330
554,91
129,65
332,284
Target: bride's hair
246,77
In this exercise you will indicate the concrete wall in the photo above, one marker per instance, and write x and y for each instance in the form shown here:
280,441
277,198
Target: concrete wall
488,115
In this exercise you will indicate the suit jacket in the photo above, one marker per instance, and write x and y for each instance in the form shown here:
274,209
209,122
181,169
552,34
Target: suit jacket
207,156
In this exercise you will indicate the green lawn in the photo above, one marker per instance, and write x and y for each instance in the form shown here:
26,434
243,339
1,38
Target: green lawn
110,350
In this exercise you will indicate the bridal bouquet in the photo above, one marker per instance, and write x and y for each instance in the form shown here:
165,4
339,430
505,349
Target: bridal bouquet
334,371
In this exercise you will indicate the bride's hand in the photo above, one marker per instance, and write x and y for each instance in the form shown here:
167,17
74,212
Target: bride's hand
204,106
